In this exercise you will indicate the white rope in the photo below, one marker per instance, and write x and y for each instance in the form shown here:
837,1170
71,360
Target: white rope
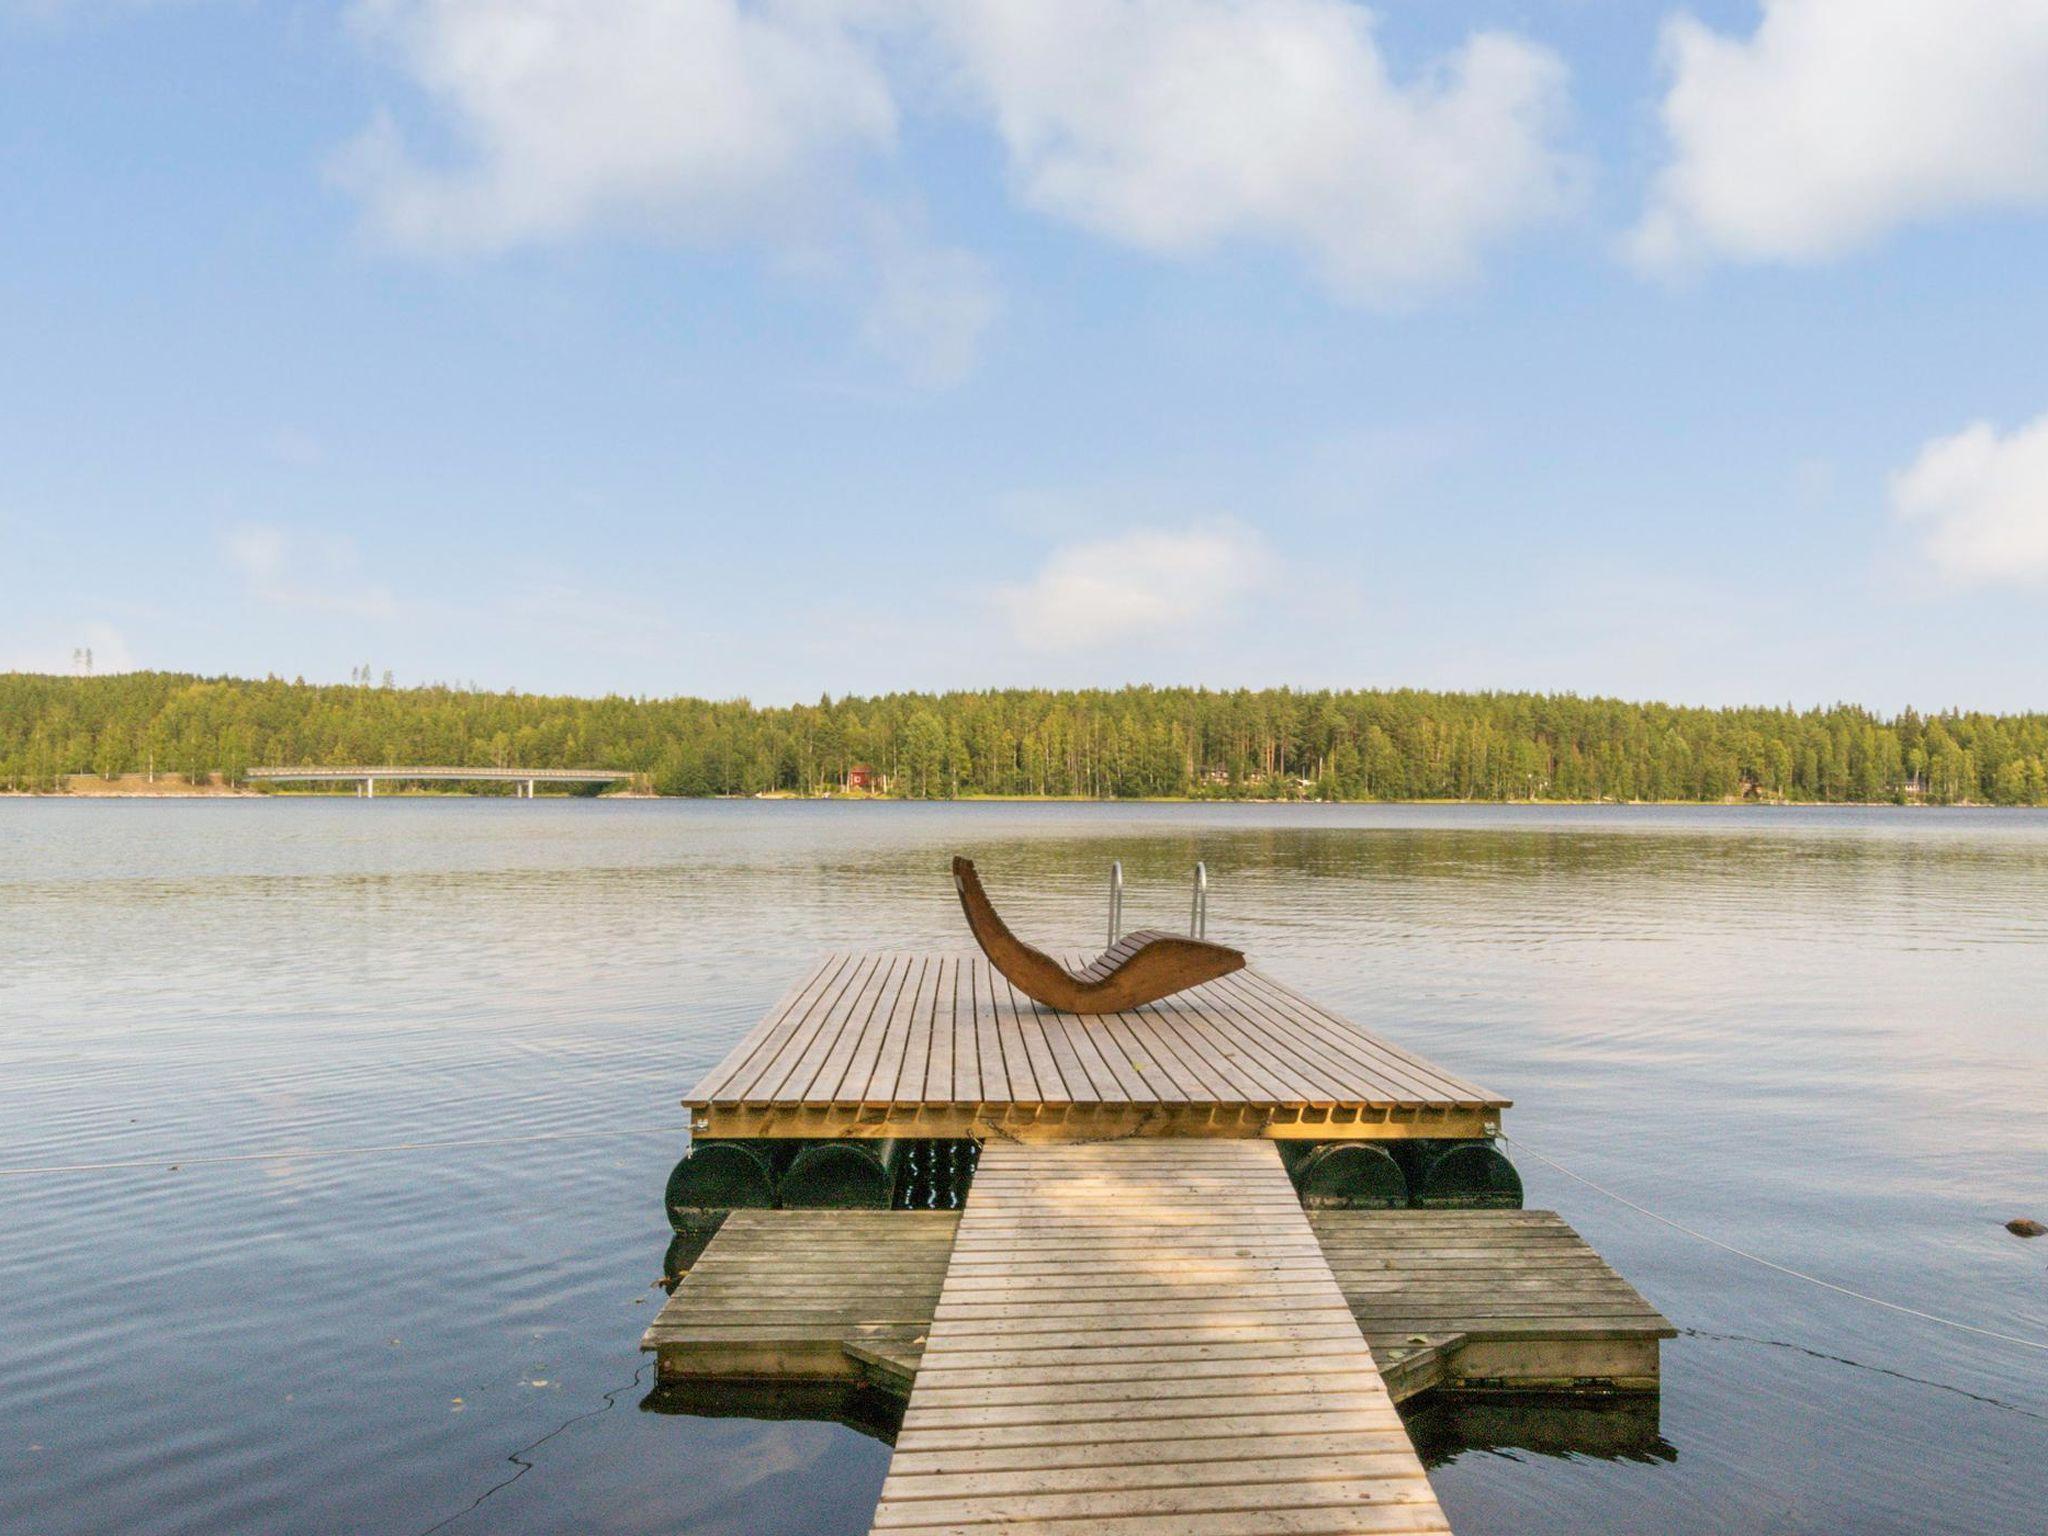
1757,1258
176,1160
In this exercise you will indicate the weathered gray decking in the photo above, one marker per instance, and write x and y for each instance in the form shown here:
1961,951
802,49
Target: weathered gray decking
940,1045
808,1295
1501,1300
1455,1300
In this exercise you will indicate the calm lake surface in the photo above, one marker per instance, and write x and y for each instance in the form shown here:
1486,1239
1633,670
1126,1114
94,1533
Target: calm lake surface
1818,1035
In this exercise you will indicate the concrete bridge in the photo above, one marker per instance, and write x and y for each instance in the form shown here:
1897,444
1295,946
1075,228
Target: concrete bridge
365,779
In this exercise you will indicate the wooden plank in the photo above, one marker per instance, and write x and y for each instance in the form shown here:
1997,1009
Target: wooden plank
744,1061
1027,1063
998,1080
918,1043
812,1076
769,1082
1093,1121
1094,1458
967,1084
860,1041
852,1082
1185,1247
938,1073
1194,1472
1335,1521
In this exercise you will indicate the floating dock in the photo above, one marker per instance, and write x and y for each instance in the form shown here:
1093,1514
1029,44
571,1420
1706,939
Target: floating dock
1473,1303
1132,1326
918,1045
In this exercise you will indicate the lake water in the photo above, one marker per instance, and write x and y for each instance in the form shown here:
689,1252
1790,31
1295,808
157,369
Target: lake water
1817,1035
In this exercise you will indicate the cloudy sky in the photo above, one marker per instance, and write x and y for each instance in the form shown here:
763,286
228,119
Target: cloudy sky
846,345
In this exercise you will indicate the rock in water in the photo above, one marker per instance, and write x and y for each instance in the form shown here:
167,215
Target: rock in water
2026,1226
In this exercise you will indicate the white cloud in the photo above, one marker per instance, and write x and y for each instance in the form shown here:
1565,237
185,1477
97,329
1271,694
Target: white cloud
1174,126
1178,125
694,120
706,117
1149,584
1980,502
1837,120
308,573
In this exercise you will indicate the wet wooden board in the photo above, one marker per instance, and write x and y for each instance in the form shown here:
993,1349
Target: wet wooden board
898,1044
808,1295
1069,1381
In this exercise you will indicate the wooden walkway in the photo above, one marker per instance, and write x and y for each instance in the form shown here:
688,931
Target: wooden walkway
1142,1338
942,1046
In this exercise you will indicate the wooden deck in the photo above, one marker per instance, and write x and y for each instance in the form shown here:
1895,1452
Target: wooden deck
808,1295
1490,1300
941,1046
1139,1338
1460,1302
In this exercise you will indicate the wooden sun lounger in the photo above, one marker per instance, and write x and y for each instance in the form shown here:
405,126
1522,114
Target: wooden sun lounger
1139,968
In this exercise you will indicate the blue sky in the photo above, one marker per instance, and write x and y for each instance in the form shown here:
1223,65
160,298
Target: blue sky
829,345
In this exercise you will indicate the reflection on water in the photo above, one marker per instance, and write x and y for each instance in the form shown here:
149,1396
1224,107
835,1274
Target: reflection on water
876,1414
1817,1034
1623,1428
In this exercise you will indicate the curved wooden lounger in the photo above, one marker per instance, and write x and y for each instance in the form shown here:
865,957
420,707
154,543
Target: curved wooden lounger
1139,968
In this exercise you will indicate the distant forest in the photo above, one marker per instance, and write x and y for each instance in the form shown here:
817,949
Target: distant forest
1131,742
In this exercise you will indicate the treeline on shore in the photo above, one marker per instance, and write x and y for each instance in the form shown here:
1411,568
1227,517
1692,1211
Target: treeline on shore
1271,743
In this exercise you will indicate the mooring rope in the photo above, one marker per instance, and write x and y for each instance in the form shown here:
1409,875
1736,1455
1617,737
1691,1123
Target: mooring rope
178,1160
1757,1258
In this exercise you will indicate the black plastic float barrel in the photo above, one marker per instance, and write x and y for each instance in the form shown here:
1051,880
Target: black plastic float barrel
1462,1174
1349,1176
841,1176
720,1176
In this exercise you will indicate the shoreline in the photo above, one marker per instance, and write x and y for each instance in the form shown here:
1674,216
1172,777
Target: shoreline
223,792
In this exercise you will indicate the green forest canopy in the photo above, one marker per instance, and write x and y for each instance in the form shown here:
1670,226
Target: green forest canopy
1270,743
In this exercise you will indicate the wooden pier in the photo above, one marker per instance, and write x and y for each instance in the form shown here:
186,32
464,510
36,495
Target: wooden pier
883,1045
1132,1327
1144,1335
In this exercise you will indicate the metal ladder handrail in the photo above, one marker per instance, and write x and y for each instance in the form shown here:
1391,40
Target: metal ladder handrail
1198,912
